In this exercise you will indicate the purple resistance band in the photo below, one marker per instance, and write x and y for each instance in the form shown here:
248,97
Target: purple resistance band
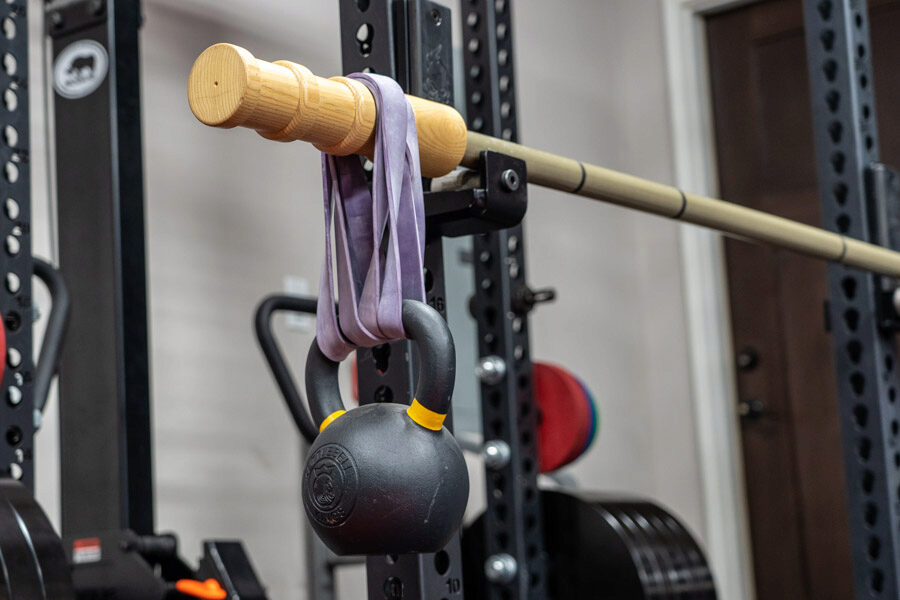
379,236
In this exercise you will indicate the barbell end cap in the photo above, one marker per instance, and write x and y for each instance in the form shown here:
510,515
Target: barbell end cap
224,86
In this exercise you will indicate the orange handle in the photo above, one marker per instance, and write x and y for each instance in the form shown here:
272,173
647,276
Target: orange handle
206,590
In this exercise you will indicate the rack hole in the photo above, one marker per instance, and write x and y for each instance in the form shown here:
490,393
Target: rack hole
860,416
13,435
364,36
851,318
382,356
362,5
833,100
11,136
888,362
13,321
866,111
869,142
840,193
874,548
393,588
895,427
843,223
892,394
863,81
10,65
9,28
429,281
877,581
442,562
500,511
384,394
858,383
830,68
870,514
502,540
868,481
10,100
848,284
861,50
854,351
859,20
864,449
838,161
835,131
827,38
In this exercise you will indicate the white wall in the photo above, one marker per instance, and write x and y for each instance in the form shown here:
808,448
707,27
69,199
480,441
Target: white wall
229,214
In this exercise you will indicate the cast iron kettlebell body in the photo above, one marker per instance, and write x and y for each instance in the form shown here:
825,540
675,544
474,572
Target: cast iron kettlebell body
387,478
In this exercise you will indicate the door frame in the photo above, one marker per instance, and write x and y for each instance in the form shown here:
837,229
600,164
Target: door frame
707,311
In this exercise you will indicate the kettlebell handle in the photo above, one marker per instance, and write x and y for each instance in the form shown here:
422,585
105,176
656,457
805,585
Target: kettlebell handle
437,368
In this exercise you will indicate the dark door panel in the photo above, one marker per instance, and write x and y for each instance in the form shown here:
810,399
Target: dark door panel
786,380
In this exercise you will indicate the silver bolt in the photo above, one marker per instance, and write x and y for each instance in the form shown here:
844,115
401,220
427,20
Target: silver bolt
15,471
14,396
496,454
13,245
38,419
896,300
13,358
510,180
500,568
491,370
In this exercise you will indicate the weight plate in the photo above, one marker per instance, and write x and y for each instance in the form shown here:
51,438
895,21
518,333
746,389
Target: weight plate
701,576
698,582
565,416
658,581
675,562
34,562
595,415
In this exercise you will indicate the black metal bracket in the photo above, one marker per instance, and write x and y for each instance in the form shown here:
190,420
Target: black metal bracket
499,202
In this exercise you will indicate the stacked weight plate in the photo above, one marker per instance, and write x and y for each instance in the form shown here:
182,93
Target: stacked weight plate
32,561
569,418
610,548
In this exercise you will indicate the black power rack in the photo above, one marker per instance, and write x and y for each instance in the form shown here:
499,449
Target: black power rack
859,199
410,40
16,388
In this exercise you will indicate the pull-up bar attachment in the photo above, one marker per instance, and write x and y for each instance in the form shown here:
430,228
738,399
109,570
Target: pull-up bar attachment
229,87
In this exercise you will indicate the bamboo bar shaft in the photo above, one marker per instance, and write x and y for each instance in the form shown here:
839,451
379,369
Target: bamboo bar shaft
284,101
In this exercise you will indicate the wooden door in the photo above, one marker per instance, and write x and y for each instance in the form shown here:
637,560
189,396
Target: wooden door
786,380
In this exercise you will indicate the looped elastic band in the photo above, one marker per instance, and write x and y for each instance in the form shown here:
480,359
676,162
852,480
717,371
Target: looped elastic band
379,236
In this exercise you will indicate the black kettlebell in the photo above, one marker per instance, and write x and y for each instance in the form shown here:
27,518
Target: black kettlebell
387,478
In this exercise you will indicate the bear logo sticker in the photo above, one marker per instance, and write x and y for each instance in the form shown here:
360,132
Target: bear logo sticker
80,69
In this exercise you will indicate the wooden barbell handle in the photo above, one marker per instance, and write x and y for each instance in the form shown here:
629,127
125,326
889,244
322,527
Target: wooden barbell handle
229,87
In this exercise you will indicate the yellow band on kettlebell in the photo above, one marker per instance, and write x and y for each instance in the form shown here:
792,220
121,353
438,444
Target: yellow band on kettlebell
425,417
328,420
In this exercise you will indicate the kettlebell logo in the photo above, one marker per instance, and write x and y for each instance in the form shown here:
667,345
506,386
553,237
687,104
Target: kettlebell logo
331,485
